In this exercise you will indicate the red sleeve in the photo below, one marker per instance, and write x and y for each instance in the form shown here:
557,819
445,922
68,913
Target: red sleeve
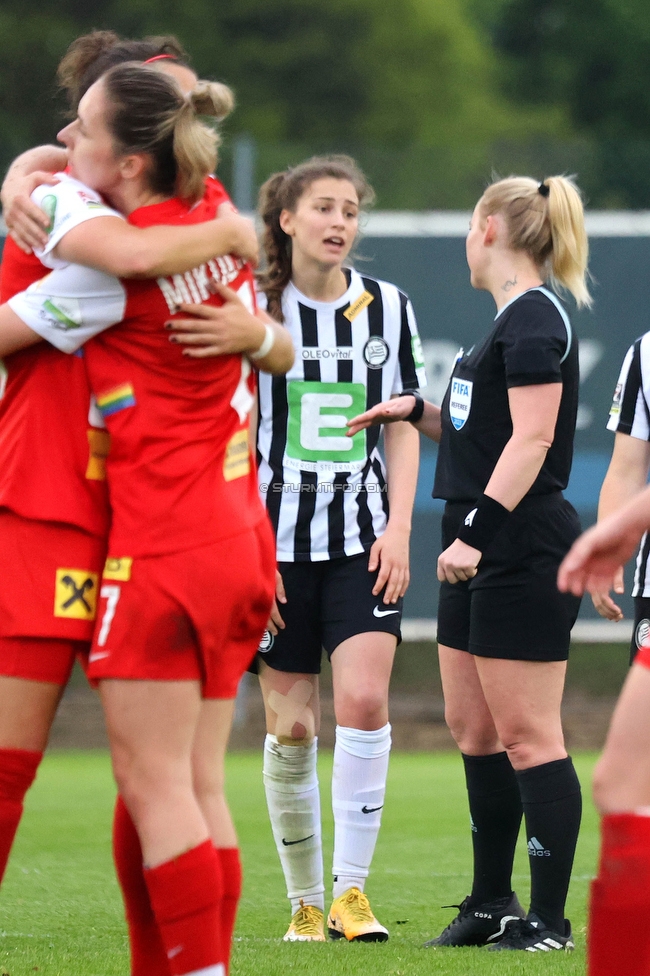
18,270
216,192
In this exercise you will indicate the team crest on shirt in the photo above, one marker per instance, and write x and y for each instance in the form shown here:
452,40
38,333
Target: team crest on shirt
75,594
376,352
460,401
642,633
267,642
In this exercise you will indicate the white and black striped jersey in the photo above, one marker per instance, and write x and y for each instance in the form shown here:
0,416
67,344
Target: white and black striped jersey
630,414
326,492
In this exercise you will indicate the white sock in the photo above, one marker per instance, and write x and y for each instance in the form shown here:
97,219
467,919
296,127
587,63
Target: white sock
358,790
292,796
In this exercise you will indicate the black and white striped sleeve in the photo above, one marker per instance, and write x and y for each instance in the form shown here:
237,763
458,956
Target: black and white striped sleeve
410,372
630,413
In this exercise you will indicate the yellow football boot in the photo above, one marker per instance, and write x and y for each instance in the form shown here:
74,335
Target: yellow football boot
306,925
351,918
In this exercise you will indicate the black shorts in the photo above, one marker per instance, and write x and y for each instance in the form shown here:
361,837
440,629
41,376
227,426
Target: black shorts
641,632
327,602
512,608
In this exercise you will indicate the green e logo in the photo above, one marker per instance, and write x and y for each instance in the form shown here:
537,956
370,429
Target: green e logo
318,413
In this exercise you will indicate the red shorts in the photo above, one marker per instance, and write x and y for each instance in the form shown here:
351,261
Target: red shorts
41,658
643,657
49,576
195,615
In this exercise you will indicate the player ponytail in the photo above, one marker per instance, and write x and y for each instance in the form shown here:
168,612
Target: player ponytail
148,114
547,221
90,55
282,191
195,144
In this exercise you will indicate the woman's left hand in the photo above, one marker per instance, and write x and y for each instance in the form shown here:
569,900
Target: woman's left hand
458,562
217,331
390,552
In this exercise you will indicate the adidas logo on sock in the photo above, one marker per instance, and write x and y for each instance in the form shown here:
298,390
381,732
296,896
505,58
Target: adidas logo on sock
535,849
473,825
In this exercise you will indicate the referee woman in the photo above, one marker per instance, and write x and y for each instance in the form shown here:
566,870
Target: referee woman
506,429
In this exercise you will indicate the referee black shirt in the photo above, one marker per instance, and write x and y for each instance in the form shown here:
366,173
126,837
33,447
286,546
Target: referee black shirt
531,343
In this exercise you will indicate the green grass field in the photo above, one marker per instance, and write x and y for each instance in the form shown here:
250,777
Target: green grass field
60,910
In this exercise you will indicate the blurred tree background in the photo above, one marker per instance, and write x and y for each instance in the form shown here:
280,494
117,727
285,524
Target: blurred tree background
430,95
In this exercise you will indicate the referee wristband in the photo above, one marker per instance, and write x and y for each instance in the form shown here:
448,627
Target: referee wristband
418,409
482,523
267,344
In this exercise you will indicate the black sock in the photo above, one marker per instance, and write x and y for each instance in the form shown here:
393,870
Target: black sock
552,803
495,811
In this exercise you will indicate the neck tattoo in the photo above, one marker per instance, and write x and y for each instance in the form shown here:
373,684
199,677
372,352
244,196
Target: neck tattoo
509,284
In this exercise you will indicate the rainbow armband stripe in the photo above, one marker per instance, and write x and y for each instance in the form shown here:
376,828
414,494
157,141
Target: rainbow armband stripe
119,398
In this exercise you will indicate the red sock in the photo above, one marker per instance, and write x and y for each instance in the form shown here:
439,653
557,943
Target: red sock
231,875
148,956
619,895
17,772
186,898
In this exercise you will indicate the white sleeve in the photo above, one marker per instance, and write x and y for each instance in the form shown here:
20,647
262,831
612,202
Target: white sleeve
68,204
71,305
630,410
410,373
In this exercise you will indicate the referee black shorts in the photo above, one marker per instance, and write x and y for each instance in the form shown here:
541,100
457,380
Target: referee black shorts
512,608
327,602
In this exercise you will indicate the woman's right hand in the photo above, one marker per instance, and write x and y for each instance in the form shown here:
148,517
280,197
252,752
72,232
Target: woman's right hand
26,222
603,602
276,622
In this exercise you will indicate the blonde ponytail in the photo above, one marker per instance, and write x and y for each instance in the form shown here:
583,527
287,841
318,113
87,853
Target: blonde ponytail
147,113
195,143
547,221
570,252
212,98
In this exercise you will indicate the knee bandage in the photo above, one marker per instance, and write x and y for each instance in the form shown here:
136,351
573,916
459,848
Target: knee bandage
294,713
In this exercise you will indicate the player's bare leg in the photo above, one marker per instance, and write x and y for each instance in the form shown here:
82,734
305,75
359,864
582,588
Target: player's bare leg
208,759
27,711
361,669
524,699
621,889
494,805
292,709
151,727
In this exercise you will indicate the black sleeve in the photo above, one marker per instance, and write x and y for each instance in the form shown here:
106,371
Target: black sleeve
533,341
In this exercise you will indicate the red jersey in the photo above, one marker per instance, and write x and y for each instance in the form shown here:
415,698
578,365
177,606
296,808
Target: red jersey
51,457
180,471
